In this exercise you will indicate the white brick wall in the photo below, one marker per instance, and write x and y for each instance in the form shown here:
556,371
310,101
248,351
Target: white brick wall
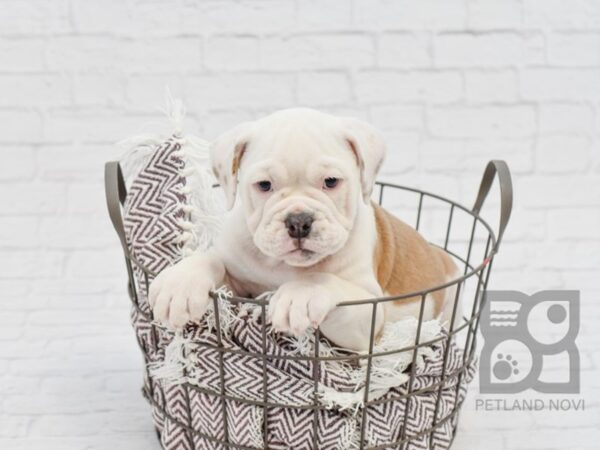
452,83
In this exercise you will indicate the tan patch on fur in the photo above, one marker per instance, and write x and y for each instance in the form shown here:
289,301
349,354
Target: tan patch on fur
404,262
237,157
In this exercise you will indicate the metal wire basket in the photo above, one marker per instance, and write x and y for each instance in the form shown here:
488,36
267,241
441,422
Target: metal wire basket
459,230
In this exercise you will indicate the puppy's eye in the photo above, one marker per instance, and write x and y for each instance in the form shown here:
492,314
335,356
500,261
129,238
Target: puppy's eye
264,186
330,182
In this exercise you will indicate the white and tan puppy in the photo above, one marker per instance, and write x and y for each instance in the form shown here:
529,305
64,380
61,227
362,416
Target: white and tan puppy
301,223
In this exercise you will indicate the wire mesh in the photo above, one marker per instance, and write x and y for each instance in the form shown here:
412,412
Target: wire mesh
480,244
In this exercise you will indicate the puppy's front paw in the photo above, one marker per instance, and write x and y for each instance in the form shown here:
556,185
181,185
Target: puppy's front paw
179,294
298,305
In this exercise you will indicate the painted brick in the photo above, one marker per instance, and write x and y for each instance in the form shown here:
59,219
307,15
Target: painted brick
549,191
567,118
20,126
393,87
489,50
563,153
31,264
319,51
19,162
22,55
109,16
35,17
451,84
556,14
495,14
146,91
230,91
398,117
513,121
98,89
404,50
404,14
324,16
72,163
34,90
573,223
574,49
228,16
499,86
560,84
32,198
19,232
232,53
99,127
321,88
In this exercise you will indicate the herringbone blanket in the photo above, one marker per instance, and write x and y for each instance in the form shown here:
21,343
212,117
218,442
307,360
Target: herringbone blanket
166,217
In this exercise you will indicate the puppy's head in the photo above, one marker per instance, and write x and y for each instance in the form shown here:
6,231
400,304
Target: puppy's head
298,176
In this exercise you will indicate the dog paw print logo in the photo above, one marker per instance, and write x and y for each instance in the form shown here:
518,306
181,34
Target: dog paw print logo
505,367
530,342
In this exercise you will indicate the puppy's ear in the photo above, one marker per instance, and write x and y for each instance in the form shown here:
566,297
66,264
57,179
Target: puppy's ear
368,147
226,154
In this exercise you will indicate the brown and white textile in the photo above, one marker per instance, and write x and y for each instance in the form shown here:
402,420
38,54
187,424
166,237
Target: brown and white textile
183,382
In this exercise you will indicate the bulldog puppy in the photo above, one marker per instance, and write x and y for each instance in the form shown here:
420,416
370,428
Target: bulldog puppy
301,223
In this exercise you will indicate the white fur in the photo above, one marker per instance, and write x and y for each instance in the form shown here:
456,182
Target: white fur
295,150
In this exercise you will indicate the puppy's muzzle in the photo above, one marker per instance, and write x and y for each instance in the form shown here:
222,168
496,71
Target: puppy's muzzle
299,224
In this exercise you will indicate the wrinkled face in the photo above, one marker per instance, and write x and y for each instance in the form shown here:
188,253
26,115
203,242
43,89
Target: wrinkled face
298,177
300,206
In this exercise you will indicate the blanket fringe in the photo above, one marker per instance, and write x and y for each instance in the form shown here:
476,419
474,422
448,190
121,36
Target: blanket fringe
387,371
204,204
178,360
138,149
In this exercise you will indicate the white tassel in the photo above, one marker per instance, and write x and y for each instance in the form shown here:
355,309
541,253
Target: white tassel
138,149
175,111
176,362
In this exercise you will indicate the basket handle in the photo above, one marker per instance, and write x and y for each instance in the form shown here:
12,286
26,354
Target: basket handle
500,168
114,188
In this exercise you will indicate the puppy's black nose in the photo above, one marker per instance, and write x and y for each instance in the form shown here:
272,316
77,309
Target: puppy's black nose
299,224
